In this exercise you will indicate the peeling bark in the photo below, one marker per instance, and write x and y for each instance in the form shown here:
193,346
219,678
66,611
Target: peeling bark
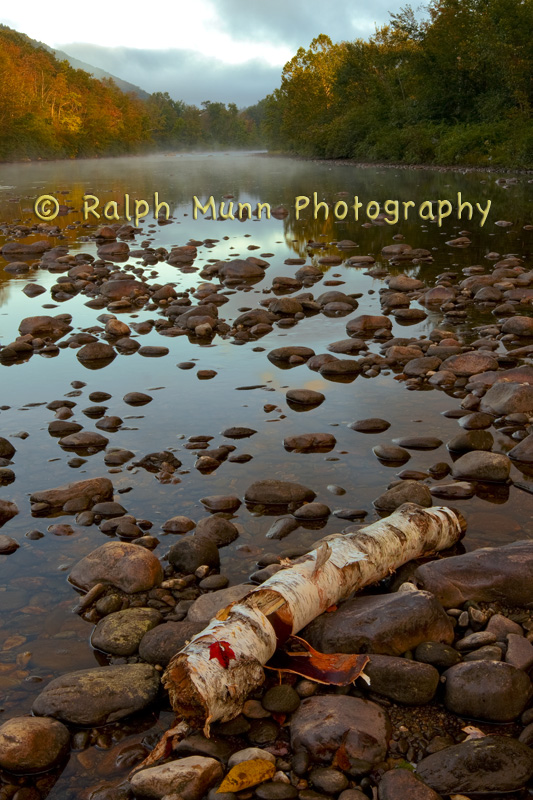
203,691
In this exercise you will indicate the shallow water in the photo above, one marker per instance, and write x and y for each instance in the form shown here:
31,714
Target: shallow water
35,599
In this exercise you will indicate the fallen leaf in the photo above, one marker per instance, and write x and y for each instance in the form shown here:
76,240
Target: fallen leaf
299,657
246,774
331,608
222,652
279,717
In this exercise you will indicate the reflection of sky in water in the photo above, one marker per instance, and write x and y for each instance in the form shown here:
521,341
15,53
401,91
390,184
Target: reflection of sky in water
184,406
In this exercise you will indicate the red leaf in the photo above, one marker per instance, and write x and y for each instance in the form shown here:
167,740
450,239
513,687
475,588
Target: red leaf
279,717
222,652
338,669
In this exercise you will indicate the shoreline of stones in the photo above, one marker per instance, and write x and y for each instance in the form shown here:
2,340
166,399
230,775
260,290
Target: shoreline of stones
448,653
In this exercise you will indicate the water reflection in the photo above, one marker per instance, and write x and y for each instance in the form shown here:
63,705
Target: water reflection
39,635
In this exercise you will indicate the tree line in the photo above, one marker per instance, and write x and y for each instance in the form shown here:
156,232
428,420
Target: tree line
48,109
455,87
452,87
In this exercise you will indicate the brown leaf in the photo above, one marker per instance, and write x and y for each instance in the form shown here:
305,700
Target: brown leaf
298,656
246,774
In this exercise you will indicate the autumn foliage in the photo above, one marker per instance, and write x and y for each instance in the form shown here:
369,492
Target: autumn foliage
48,109
453,86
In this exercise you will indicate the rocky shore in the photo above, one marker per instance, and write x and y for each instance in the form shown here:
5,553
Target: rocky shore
447,711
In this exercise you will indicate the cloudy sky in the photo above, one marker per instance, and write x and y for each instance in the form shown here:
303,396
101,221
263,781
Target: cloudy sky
225,50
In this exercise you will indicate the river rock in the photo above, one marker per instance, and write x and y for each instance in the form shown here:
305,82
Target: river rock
207,605
32,744
6,448
218,530
190,553
519,326
126,566
523,451
129,289
471,440
162,642
178,525
137,398
404,492
273,492
84,440
121,632
488,690
402,680
186,778
479,465
508,398
371,425
392,453
310,442
503,574
239,269
390,624
491,764
45,327
400,784
284,354
7,544
305,397
96,351
83,494
8,510
367,325
312,511
100,695
221,502
466,364
322,725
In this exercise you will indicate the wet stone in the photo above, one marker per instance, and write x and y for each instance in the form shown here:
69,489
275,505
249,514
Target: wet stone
120,633
276,791
487,690
282,699
392,453
98,696
491,764
159,644
32,744
371,425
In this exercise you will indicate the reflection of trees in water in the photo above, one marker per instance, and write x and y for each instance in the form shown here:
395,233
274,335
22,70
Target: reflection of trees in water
5,291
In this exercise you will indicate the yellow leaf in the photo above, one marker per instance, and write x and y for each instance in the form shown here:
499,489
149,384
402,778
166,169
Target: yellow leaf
246,774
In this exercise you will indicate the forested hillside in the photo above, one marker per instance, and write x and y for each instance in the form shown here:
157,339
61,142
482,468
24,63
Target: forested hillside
50,110
456,88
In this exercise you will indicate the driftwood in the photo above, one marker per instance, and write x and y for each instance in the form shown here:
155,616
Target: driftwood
211,677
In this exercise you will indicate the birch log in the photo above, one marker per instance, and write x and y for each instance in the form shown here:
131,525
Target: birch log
202,690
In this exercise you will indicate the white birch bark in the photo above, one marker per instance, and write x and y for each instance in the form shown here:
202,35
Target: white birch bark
203,691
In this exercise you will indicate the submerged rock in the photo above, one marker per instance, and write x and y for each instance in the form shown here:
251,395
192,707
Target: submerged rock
274,492
32,744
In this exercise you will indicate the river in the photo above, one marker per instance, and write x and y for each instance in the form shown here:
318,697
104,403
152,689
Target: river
40,637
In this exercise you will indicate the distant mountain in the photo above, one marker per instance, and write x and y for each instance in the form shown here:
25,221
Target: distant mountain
97,72
124,86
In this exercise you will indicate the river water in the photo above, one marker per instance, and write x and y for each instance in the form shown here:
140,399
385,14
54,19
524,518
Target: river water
40,637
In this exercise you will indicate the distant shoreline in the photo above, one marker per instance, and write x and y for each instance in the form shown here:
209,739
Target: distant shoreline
348,162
